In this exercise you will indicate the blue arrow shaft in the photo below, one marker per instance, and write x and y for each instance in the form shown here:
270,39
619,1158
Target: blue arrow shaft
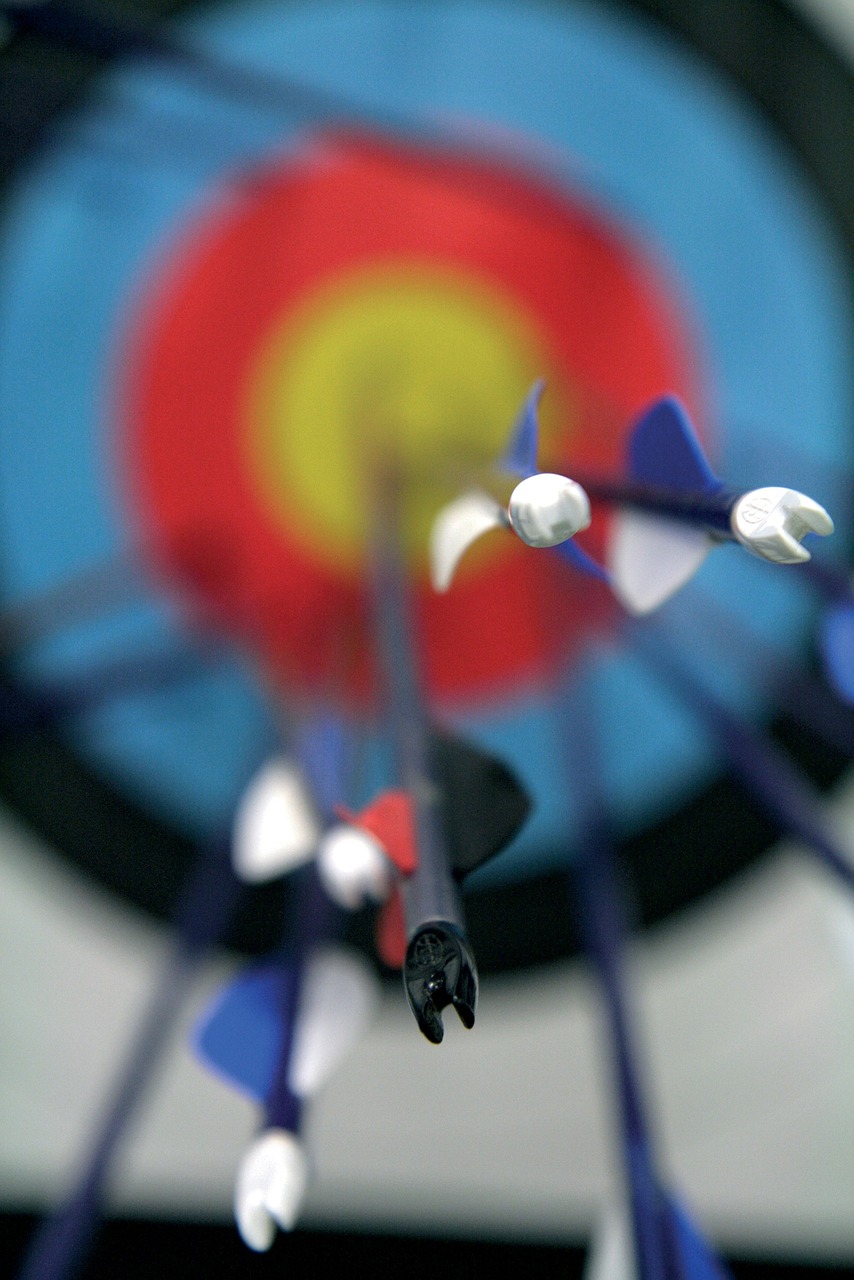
603,921
710,511
59,1248
777,785
25,706
321,745
807,699
80,597
107,34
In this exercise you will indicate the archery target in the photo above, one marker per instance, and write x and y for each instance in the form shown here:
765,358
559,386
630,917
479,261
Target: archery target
415,300
639,136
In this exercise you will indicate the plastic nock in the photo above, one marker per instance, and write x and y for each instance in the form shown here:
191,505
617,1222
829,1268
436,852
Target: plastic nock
439,970
771,522
547,509
353,867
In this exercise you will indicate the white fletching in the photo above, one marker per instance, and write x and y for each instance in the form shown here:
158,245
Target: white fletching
275,827
456,527
352,867
269,1188
611,1252
771,522
338,998
547,509
650,558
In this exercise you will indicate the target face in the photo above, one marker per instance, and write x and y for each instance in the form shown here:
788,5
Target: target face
369,305
234,306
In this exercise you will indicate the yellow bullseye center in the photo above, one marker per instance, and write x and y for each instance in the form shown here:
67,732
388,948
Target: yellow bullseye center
403,367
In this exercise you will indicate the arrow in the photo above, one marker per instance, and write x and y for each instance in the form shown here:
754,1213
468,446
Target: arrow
59,1247
544,510
774,781
678,509
673,509
99,32
481,807
26,706
667,1243
277,1032
439,969
79,598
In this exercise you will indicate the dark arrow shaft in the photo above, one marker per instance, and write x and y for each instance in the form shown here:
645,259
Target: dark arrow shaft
439,969
600,905
711,511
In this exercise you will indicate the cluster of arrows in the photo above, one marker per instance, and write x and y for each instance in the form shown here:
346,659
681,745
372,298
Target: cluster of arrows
277,1031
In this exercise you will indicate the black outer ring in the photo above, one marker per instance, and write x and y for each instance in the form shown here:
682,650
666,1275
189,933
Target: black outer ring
806,92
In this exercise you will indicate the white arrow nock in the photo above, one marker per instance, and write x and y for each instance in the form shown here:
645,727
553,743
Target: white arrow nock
771,522
353,867
544,509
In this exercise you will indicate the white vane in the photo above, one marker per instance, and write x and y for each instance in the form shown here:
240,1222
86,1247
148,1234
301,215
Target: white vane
651,558
456,527
338,999
275,827
544,510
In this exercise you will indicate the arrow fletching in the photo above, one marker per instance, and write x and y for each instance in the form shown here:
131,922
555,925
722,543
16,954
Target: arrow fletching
520,454
664,451
275,828
456,527
651,558
332,999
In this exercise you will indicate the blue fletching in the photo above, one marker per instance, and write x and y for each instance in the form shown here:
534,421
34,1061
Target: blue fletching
520,456
669,1243
697,1261
836,641
664,451
240,1036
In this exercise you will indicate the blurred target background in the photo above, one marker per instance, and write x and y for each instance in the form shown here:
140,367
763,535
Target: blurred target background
705,153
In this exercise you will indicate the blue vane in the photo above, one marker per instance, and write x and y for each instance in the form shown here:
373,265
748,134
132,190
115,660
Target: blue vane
664,451
698,1262
836,642
520,455
520,459
240,1036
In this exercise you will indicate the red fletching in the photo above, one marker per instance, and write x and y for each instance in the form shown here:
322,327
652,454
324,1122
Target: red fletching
391,932
389,820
